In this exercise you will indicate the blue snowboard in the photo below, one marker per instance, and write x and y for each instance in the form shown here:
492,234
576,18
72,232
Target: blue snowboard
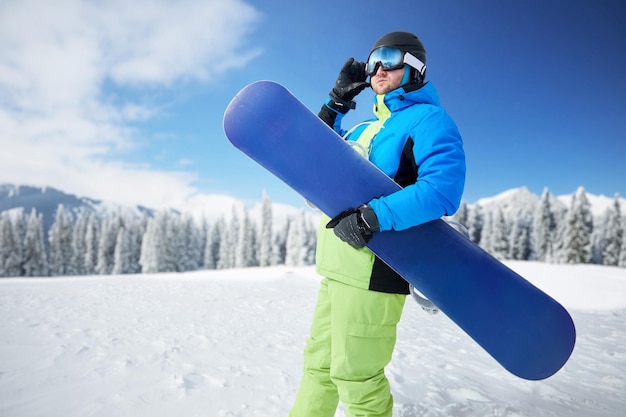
522,328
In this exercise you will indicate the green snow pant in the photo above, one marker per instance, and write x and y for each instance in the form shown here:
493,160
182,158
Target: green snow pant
352,339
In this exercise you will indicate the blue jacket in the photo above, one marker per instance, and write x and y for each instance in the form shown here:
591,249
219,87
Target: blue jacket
419,130
415,142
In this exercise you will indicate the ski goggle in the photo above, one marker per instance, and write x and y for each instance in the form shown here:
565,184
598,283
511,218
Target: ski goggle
389,58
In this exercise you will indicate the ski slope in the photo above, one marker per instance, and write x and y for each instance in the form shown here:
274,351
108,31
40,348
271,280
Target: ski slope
229,344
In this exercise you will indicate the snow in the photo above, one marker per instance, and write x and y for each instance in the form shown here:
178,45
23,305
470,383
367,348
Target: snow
229,344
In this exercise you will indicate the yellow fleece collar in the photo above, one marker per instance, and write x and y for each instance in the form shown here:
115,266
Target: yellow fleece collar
381,111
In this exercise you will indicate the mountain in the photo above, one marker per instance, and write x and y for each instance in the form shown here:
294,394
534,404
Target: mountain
599,203
521,200
46,200
514,203
43,199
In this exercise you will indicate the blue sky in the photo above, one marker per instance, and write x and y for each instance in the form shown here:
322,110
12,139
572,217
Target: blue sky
123,101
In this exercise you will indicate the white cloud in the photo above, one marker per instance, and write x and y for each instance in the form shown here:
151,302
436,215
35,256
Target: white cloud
55,126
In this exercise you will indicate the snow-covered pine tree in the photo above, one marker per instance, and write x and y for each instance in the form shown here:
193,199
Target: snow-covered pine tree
35,258
212,246
148,259
226,250
174,244
106,246
4,242
293,242
544,229
193,244
7,245
520,239
201,232
10,246
230,241
225,253
475,223
122,256
92,237
79,243
245,255
128,245
296,243
558,251
153,250
229,234
486,235
177,243
622,256
613,234
279,244
579,228
310,242
597,241
265,236
253,236
136,227
500,246
19,233
252,245
60,244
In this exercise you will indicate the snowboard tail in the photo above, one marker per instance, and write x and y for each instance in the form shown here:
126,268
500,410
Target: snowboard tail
521,327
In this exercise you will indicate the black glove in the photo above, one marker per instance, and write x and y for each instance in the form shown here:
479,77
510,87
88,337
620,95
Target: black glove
350,82
355,226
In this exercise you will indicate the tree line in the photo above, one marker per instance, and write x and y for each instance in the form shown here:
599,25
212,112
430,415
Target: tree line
125,243
121,243
549,233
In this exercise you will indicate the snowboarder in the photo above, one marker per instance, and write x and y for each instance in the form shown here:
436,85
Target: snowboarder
360,301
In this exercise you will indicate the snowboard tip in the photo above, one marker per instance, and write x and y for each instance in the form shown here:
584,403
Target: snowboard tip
251,93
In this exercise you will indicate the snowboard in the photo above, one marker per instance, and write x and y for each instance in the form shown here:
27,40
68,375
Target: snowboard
525,330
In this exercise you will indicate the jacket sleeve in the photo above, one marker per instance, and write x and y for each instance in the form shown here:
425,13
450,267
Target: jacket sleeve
440,159
332,113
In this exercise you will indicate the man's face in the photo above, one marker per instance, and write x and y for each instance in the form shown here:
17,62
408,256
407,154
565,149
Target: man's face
385,81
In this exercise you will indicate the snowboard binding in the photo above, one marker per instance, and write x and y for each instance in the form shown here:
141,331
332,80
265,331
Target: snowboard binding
422,301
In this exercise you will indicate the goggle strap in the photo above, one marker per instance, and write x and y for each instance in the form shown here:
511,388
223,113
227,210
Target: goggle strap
414,62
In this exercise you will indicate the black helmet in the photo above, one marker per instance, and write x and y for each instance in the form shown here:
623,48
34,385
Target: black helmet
406,42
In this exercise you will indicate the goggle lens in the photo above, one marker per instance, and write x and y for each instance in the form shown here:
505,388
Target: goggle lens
387,57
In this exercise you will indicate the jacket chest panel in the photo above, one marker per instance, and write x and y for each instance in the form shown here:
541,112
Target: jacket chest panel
387,146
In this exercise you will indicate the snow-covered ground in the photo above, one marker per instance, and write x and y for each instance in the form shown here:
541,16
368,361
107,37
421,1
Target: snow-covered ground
229,343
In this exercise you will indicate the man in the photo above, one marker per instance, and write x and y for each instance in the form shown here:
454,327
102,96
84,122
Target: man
414,141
